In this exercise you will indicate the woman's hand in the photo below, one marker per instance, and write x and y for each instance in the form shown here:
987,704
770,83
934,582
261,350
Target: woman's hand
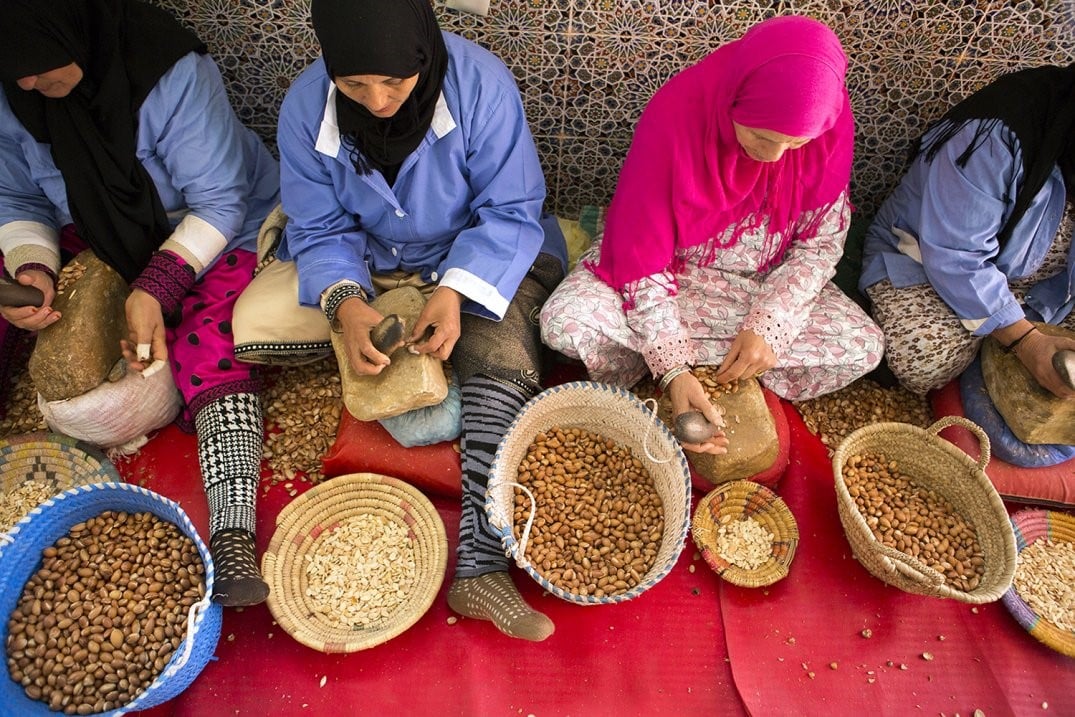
33,318
357,319
441,313
687,394
1036,352
747,357
145,326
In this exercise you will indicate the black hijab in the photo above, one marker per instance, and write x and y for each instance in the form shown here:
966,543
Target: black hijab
1038,106
394,38
123,47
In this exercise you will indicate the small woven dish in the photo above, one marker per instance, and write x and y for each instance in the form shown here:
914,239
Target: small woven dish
739,500
53,460
620,416
1031,525
934,463
322,509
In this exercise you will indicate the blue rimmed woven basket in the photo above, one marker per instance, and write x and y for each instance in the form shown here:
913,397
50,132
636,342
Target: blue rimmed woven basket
20,558
619,416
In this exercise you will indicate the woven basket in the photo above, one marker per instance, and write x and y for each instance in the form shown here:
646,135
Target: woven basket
619,416
1030,525
739,500
933,463
321,508
53,519
57,461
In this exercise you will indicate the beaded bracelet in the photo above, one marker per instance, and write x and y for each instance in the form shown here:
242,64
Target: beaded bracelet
670,375
338,295
1010,348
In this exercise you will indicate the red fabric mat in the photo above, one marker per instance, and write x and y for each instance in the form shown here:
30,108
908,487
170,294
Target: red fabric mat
660,654
778,636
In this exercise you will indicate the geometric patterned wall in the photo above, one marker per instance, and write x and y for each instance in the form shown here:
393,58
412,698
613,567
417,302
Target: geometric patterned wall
587,67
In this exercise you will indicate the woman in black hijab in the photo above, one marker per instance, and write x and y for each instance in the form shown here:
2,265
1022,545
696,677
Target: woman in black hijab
406,157
976,239
115,126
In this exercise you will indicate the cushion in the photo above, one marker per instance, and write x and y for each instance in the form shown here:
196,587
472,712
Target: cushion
367,447
1051,485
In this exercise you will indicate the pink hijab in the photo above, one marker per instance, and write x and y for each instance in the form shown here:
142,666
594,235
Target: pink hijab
686,179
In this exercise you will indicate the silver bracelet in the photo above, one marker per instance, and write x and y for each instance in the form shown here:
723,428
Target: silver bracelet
669,376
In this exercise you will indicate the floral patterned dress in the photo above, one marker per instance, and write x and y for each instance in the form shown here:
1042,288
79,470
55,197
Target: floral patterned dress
822,339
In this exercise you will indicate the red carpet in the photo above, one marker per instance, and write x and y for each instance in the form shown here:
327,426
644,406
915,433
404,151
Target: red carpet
815,617
661,654
672,651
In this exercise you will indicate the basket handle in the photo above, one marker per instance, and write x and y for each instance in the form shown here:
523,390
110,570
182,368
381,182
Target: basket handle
983,439
911,566
524,537
192,615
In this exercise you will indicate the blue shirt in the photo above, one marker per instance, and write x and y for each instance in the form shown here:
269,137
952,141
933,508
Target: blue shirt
940,226
464,211
201,159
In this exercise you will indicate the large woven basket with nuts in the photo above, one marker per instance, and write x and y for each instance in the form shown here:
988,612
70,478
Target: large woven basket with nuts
746,533
568,529
354,562
921,515
134,637
1042,596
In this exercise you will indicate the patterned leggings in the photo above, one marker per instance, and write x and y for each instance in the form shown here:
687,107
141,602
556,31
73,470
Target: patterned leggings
926,344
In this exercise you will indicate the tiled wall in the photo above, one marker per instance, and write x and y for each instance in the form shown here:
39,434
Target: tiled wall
587,67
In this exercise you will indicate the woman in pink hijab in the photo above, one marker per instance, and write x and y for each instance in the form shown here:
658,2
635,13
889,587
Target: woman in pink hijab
725,230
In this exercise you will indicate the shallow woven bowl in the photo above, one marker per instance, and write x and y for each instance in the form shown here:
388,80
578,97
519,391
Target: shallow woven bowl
322,508
739,500
54,460
1031,525
619,416
43,526
934,463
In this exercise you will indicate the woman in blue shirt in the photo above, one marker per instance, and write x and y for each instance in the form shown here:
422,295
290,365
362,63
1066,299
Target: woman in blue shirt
976,239
404,152
115,125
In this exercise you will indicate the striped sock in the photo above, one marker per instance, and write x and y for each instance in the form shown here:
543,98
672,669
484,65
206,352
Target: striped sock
488,407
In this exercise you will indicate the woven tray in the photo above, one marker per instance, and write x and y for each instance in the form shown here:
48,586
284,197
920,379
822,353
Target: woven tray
617,415
57,461
738,500
1030,525
936,464
319,509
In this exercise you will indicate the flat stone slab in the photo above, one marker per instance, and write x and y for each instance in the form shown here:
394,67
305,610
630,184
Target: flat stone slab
1034,414
411,381
74,355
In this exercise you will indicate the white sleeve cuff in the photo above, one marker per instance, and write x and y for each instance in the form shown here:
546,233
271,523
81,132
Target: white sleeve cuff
477,290
24,242
197,241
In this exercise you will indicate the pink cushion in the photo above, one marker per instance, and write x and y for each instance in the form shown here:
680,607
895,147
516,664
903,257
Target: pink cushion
1053,485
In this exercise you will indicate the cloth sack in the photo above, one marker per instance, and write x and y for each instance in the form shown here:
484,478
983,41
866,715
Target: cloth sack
118,414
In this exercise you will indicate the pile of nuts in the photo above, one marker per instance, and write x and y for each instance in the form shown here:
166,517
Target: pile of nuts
99,621
835,416
302,412
705,376
21,501
599,520
745,543
1043,578
358,573
914,520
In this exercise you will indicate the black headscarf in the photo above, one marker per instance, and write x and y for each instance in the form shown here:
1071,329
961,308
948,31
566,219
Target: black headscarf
123,47
394,38
1038,106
